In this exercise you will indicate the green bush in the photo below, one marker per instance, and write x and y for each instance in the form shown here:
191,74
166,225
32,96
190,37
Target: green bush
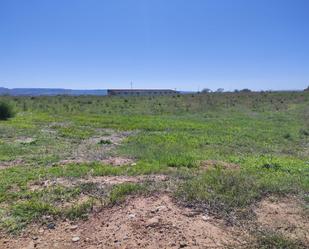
6,111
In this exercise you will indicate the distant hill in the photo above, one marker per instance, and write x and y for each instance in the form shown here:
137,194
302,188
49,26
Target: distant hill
49,92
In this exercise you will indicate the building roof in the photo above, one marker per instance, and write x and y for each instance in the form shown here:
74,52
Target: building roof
141,90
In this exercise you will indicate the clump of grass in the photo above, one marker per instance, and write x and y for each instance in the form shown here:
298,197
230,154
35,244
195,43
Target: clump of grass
80,211
181,161
271,240
25,212
119,192
105,141
75,132
6,111
274,166
304,132
220,191
287,136
225,191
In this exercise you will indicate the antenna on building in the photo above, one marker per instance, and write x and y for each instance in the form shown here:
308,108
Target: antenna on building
131,83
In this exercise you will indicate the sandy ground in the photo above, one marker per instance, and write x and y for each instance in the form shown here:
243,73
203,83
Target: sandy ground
158,222
100,180
284,216
141,222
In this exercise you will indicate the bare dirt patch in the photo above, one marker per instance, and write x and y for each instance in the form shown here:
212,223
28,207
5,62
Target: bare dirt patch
100,149
118,161
113,180
141,222
285,216
101,180
208,164
112,161
25,140
8,164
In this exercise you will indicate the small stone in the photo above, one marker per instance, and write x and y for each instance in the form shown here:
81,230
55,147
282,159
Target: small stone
46,217
131,216
133,164
161,208
205,218
75,239
51,226
152,222
74,227
183,244
35,238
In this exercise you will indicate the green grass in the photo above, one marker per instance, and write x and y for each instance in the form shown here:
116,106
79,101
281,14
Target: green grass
271,240
119,192
225,191
266,134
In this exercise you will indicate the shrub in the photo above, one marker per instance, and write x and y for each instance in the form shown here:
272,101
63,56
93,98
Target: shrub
6,111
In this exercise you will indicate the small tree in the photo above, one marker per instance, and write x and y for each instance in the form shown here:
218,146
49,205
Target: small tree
206,90
6,111
245,90
220,90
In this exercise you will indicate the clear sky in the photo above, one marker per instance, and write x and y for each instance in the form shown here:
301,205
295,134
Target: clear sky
183,44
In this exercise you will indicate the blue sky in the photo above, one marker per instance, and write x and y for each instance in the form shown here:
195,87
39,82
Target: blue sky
183,44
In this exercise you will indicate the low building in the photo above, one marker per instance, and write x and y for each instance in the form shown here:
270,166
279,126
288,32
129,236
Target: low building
140,92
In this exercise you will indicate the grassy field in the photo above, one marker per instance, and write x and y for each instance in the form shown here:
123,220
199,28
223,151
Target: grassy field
223,152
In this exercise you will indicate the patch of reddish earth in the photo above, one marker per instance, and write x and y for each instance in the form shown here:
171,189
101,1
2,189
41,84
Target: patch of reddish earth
141,222
118,161
285,216
208,164
102,180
